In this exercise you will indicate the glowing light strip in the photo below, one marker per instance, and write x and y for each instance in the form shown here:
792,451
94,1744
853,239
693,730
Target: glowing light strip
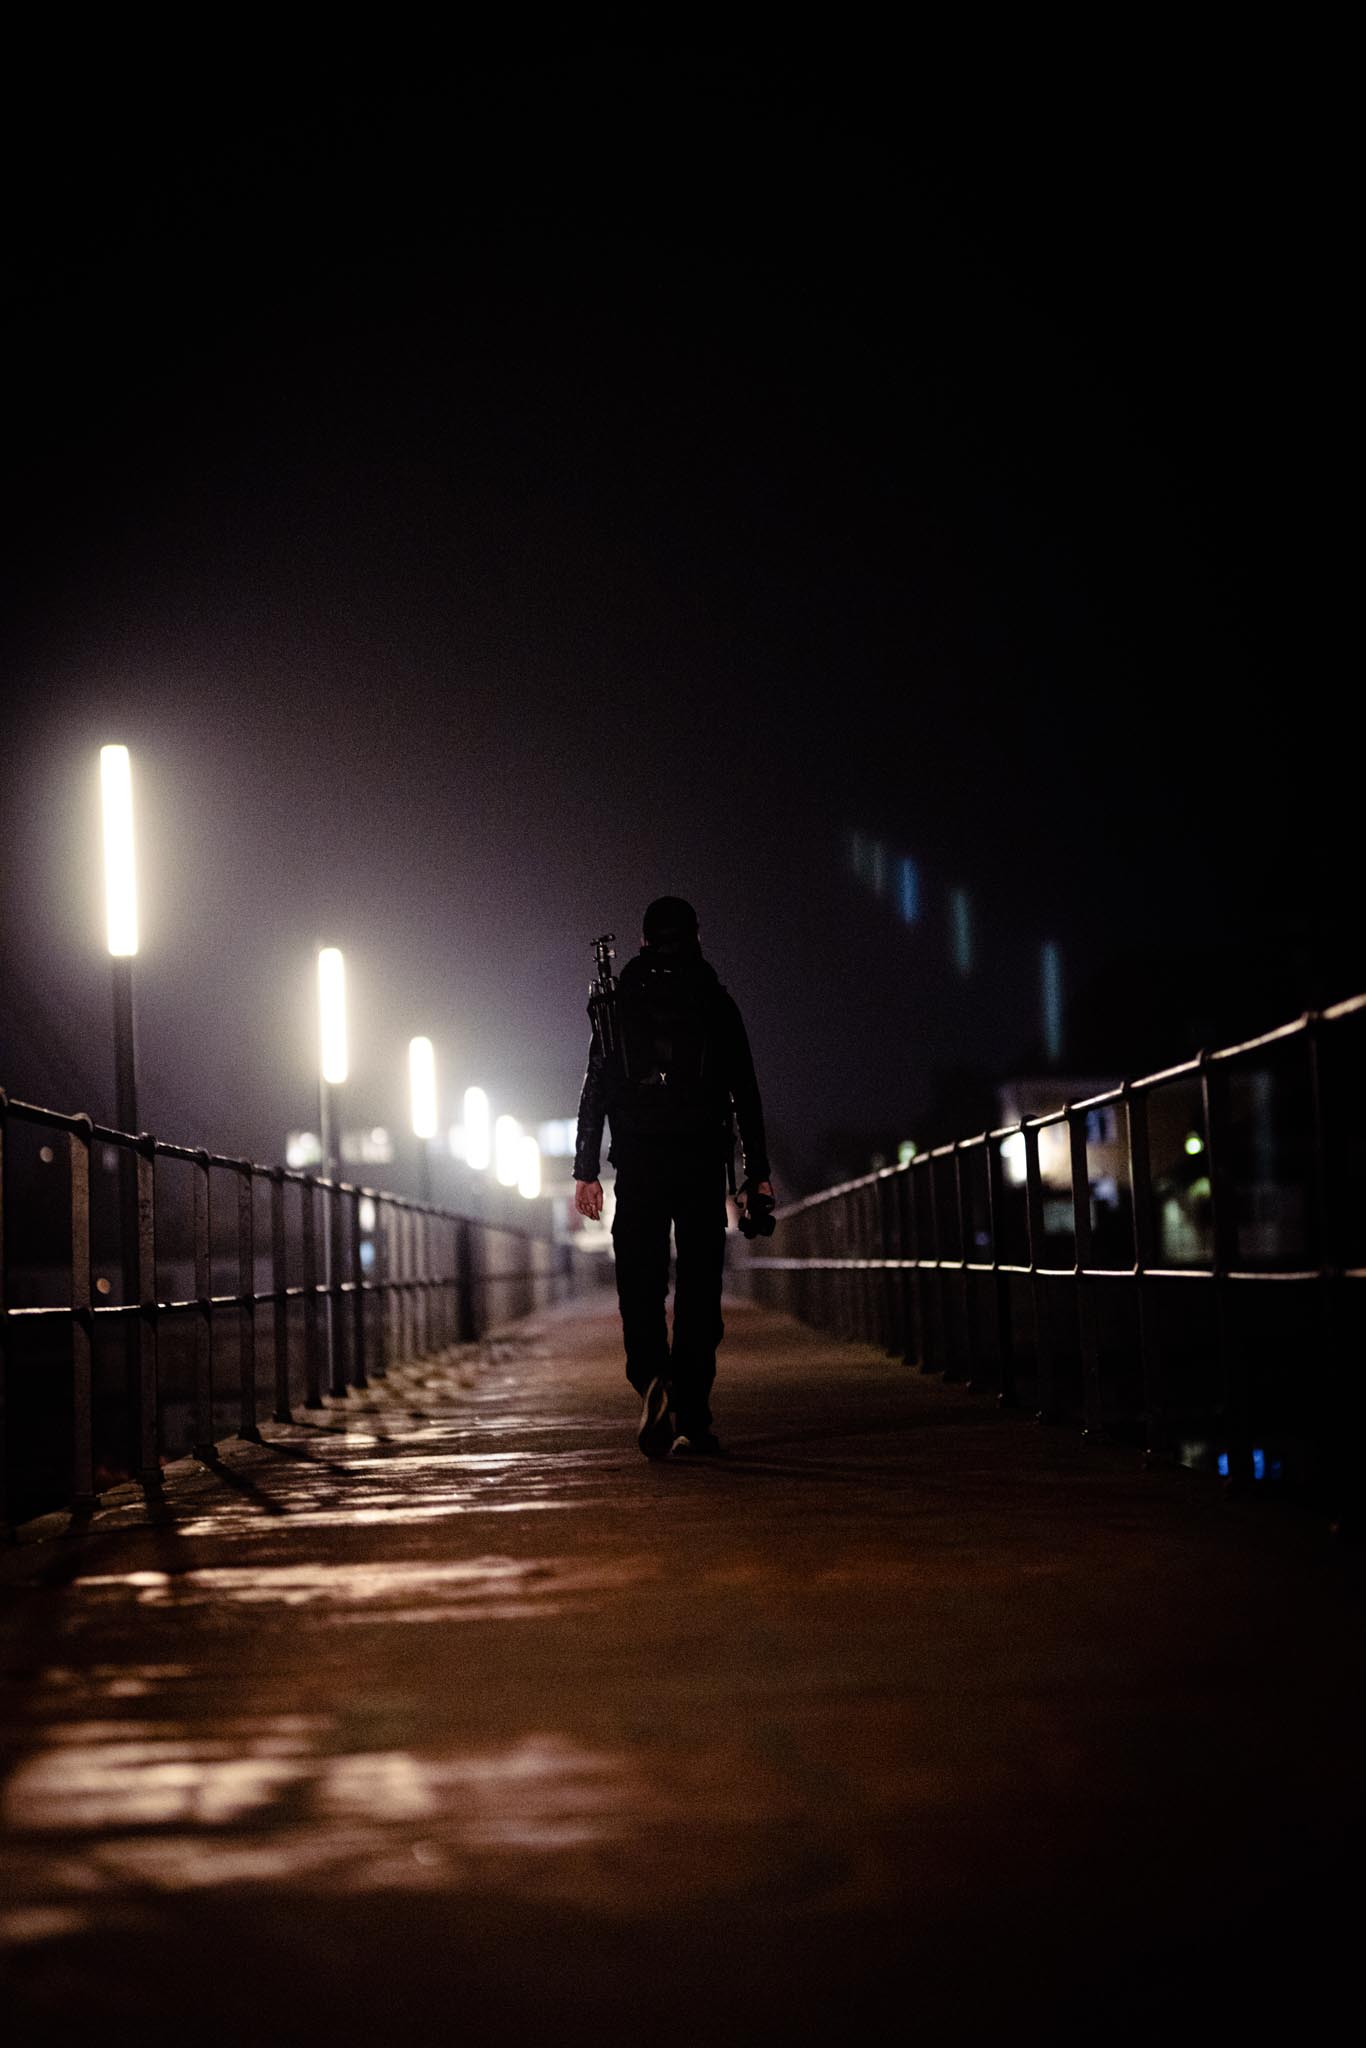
120,879
332,1014
478,1151
529,1169
507,1148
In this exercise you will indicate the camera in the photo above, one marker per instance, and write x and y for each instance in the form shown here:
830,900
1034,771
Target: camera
757,1218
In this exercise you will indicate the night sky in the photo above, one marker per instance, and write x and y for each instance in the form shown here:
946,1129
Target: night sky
485,507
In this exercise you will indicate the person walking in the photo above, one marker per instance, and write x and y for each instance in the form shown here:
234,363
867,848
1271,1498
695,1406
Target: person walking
678,1082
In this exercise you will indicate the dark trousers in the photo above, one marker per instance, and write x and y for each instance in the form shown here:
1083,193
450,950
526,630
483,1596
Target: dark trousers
689,1193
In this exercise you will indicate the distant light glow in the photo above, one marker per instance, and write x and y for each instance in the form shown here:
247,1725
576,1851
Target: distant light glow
1259,1465
908,890
558,1137
858,854
303,1148
1195,1144
374,1147
455,1141
507,1151
1050,978
366,1213
906,1151
1013,1159
478,1151
877,872
529,1168
332,1014
422,1087
960,910
120,878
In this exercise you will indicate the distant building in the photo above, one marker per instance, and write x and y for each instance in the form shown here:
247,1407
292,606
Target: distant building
1032,1095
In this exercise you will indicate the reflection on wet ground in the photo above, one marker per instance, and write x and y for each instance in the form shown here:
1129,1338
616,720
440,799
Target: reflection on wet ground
103,1777
487,1587
860,1663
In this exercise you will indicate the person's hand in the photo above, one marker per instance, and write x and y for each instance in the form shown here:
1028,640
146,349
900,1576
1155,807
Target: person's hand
588,1198
763,1187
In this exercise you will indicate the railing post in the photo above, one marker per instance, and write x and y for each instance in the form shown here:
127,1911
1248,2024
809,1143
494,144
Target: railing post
402,1297
1340,1432
1092,1416
393,1299
1149,1308
82,1321
961,1355
1232,1363
934,1316
894,1277
1046,1361
147,1421
441,1287
6,1525
313,1336
1006,1394
889,1218
443,1299
335,1296
467,1318
915,1334
425,1269
358,1373
380,1286
203,1310
279,1286
246,1306
423,1225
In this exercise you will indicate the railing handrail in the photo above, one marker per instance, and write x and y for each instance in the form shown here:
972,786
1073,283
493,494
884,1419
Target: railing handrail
905,1252
1108,1098
164,1148
434,1272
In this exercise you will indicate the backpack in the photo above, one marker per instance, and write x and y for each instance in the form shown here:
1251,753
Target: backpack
664,1085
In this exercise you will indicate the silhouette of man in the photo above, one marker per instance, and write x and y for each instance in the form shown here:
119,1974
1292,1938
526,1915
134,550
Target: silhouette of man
679,1081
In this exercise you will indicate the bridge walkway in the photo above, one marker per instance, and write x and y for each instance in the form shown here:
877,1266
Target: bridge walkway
443,1714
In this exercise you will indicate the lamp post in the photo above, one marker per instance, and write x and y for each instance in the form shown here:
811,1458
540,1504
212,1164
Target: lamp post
121,923
422,1105
332,1071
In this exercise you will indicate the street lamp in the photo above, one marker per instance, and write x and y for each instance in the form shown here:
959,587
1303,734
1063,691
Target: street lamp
332,1066
121,923
422,1100
507,1151
478,1151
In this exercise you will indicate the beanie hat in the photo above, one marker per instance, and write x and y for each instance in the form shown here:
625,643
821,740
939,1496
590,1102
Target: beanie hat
669,920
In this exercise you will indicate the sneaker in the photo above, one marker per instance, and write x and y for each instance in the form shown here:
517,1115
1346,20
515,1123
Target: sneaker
697,1443
656,1429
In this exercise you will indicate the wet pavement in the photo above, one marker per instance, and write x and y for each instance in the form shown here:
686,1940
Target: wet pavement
444,1714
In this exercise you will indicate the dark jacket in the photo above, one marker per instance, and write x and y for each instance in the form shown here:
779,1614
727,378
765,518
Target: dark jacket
730,1067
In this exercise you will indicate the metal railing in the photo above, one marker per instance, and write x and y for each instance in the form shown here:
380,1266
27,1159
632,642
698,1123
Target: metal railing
1228,1192
131,1287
